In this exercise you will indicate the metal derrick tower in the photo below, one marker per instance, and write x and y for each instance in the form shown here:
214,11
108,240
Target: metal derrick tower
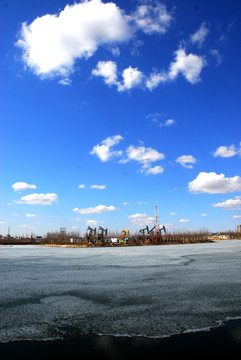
156,221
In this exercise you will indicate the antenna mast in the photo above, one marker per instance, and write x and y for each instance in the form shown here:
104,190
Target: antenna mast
156,221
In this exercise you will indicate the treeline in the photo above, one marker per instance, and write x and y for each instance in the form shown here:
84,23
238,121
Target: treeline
57,237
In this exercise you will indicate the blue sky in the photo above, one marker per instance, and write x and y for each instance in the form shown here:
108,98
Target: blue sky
109,108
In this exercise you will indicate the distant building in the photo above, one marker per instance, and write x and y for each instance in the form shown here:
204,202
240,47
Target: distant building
239,228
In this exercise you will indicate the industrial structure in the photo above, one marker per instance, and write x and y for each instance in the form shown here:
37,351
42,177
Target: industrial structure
102,237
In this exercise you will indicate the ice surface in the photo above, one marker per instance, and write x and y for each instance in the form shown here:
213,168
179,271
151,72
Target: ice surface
151,290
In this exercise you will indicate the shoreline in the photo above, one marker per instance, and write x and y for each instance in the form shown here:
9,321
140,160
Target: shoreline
224,339
98,244
125,245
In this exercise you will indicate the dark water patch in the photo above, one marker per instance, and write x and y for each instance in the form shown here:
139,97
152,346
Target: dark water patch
225,340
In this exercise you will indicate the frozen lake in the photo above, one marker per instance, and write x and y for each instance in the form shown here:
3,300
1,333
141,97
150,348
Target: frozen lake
154,291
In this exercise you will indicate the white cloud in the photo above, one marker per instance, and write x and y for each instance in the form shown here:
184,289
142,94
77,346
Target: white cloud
38,199
213,183
230,203
168,122
81,186
30,215
141,154
107,69
186,161
155,170
173,213
103,151
52,43
236,216
152,18
155,79
225,151
141,220
91,222
99,209
145,156
19,186
131,77
184,221
200,35
190,66
203,214
98,187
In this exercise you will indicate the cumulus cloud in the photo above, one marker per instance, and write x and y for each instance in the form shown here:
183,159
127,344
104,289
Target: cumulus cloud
155,79
52,43
200,35
104,151
226,151
190,66
152,18
213,183
108,70
141,154
19,186
38,199
131,77
186,161
99,209
236,216
98,187
145,156
184,221
154,170
141,220
232,204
